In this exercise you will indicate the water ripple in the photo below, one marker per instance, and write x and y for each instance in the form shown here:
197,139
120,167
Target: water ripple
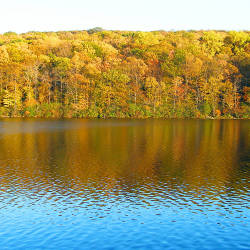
85,185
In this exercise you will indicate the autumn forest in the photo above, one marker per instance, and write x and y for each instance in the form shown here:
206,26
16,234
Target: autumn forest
124,74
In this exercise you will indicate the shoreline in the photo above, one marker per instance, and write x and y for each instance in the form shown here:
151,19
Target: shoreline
123,118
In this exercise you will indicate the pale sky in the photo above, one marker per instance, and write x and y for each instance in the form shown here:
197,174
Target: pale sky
57,15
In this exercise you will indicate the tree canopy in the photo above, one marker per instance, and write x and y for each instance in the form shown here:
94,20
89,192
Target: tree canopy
100,73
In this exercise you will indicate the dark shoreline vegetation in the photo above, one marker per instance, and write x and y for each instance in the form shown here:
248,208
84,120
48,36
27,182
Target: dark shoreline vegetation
125,74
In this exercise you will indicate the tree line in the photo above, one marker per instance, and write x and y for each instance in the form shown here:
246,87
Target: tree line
103,74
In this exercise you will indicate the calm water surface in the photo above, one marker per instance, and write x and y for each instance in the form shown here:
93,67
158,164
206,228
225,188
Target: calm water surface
117,184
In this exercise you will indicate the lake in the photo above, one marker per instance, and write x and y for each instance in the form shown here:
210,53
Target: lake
124,184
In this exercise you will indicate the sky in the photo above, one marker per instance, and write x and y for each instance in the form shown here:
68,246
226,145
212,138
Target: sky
146,15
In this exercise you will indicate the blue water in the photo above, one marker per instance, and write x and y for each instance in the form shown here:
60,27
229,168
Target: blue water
77,184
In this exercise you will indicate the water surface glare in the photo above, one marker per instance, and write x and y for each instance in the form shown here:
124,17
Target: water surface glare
124,184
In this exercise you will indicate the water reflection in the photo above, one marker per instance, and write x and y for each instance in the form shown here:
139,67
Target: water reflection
151,173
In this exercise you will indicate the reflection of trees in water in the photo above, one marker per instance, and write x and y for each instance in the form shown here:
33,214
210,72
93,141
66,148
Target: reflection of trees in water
195,155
